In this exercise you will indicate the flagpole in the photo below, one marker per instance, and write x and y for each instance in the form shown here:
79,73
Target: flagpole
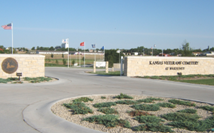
84,55
12,38
68,50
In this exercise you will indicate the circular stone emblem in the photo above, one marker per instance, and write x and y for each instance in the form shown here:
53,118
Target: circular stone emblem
9,65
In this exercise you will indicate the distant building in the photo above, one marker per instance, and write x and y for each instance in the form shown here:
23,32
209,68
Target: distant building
64,45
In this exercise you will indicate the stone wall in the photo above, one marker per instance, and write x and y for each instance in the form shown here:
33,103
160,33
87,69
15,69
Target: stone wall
28,65
157,66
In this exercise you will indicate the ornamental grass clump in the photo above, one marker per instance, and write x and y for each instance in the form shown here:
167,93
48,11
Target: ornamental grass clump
168,105
146,107
155,127
149,100
148,119
123,96
82,99
104,104
187,103
125,102
208,108
78,108
191,111
138,113
181,117
108,120
108,110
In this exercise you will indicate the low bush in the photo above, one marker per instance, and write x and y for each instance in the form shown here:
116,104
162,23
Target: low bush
108,120
191,111
199,126
102,97
154,77
208,108
78,108
168,105
149,100
105,104
155,127
181,117
37,79
187,103
82,99
138,113
125,102
4,80
123,96
148,119
146,107
108,110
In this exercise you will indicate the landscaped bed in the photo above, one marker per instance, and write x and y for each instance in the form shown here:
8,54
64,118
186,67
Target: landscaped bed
26,80
138,114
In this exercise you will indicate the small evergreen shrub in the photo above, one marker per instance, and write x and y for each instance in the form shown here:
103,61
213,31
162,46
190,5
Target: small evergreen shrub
123,96
82,99
199,126
168,105
108,110
148,119
180,117
154,77
125,102
155,127
187,103
208,108
146,107
108,120
78,108
138,113
191,111
102,97
105,104
149,100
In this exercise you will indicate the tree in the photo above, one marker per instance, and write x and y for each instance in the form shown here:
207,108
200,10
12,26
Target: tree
52,55
51,48
64,61
187,51
62,55
33,48
112,56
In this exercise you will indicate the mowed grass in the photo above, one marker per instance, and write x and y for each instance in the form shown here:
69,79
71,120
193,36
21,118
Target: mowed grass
199,81
110,73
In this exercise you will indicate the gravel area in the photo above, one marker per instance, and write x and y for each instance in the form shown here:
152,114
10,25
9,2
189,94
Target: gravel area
65,113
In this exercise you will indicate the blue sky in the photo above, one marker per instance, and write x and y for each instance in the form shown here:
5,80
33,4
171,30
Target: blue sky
114,24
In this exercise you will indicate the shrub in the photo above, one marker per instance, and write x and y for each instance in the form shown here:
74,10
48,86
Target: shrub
200,126
102,97
105,104
4,80
57,61
155,127
125,102
64,61
172,78
191,111
82,99
78,108
138,113
108,120
146,107
149,100
148,119
168,105
146,77
108,110
209,108
187,103
123,96
180,117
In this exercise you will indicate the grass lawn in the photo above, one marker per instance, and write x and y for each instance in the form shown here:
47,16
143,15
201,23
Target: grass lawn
200,81
110,73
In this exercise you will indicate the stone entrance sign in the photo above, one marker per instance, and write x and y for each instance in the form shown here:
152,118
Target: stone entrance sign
28,65
163,66
9,65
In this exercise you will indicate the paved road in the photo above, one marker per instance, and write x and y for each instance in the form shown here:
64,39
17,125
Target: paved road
25,108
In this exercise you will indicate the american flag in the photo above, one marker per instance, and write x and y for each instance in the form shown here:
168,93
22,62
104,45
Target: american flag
7,27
